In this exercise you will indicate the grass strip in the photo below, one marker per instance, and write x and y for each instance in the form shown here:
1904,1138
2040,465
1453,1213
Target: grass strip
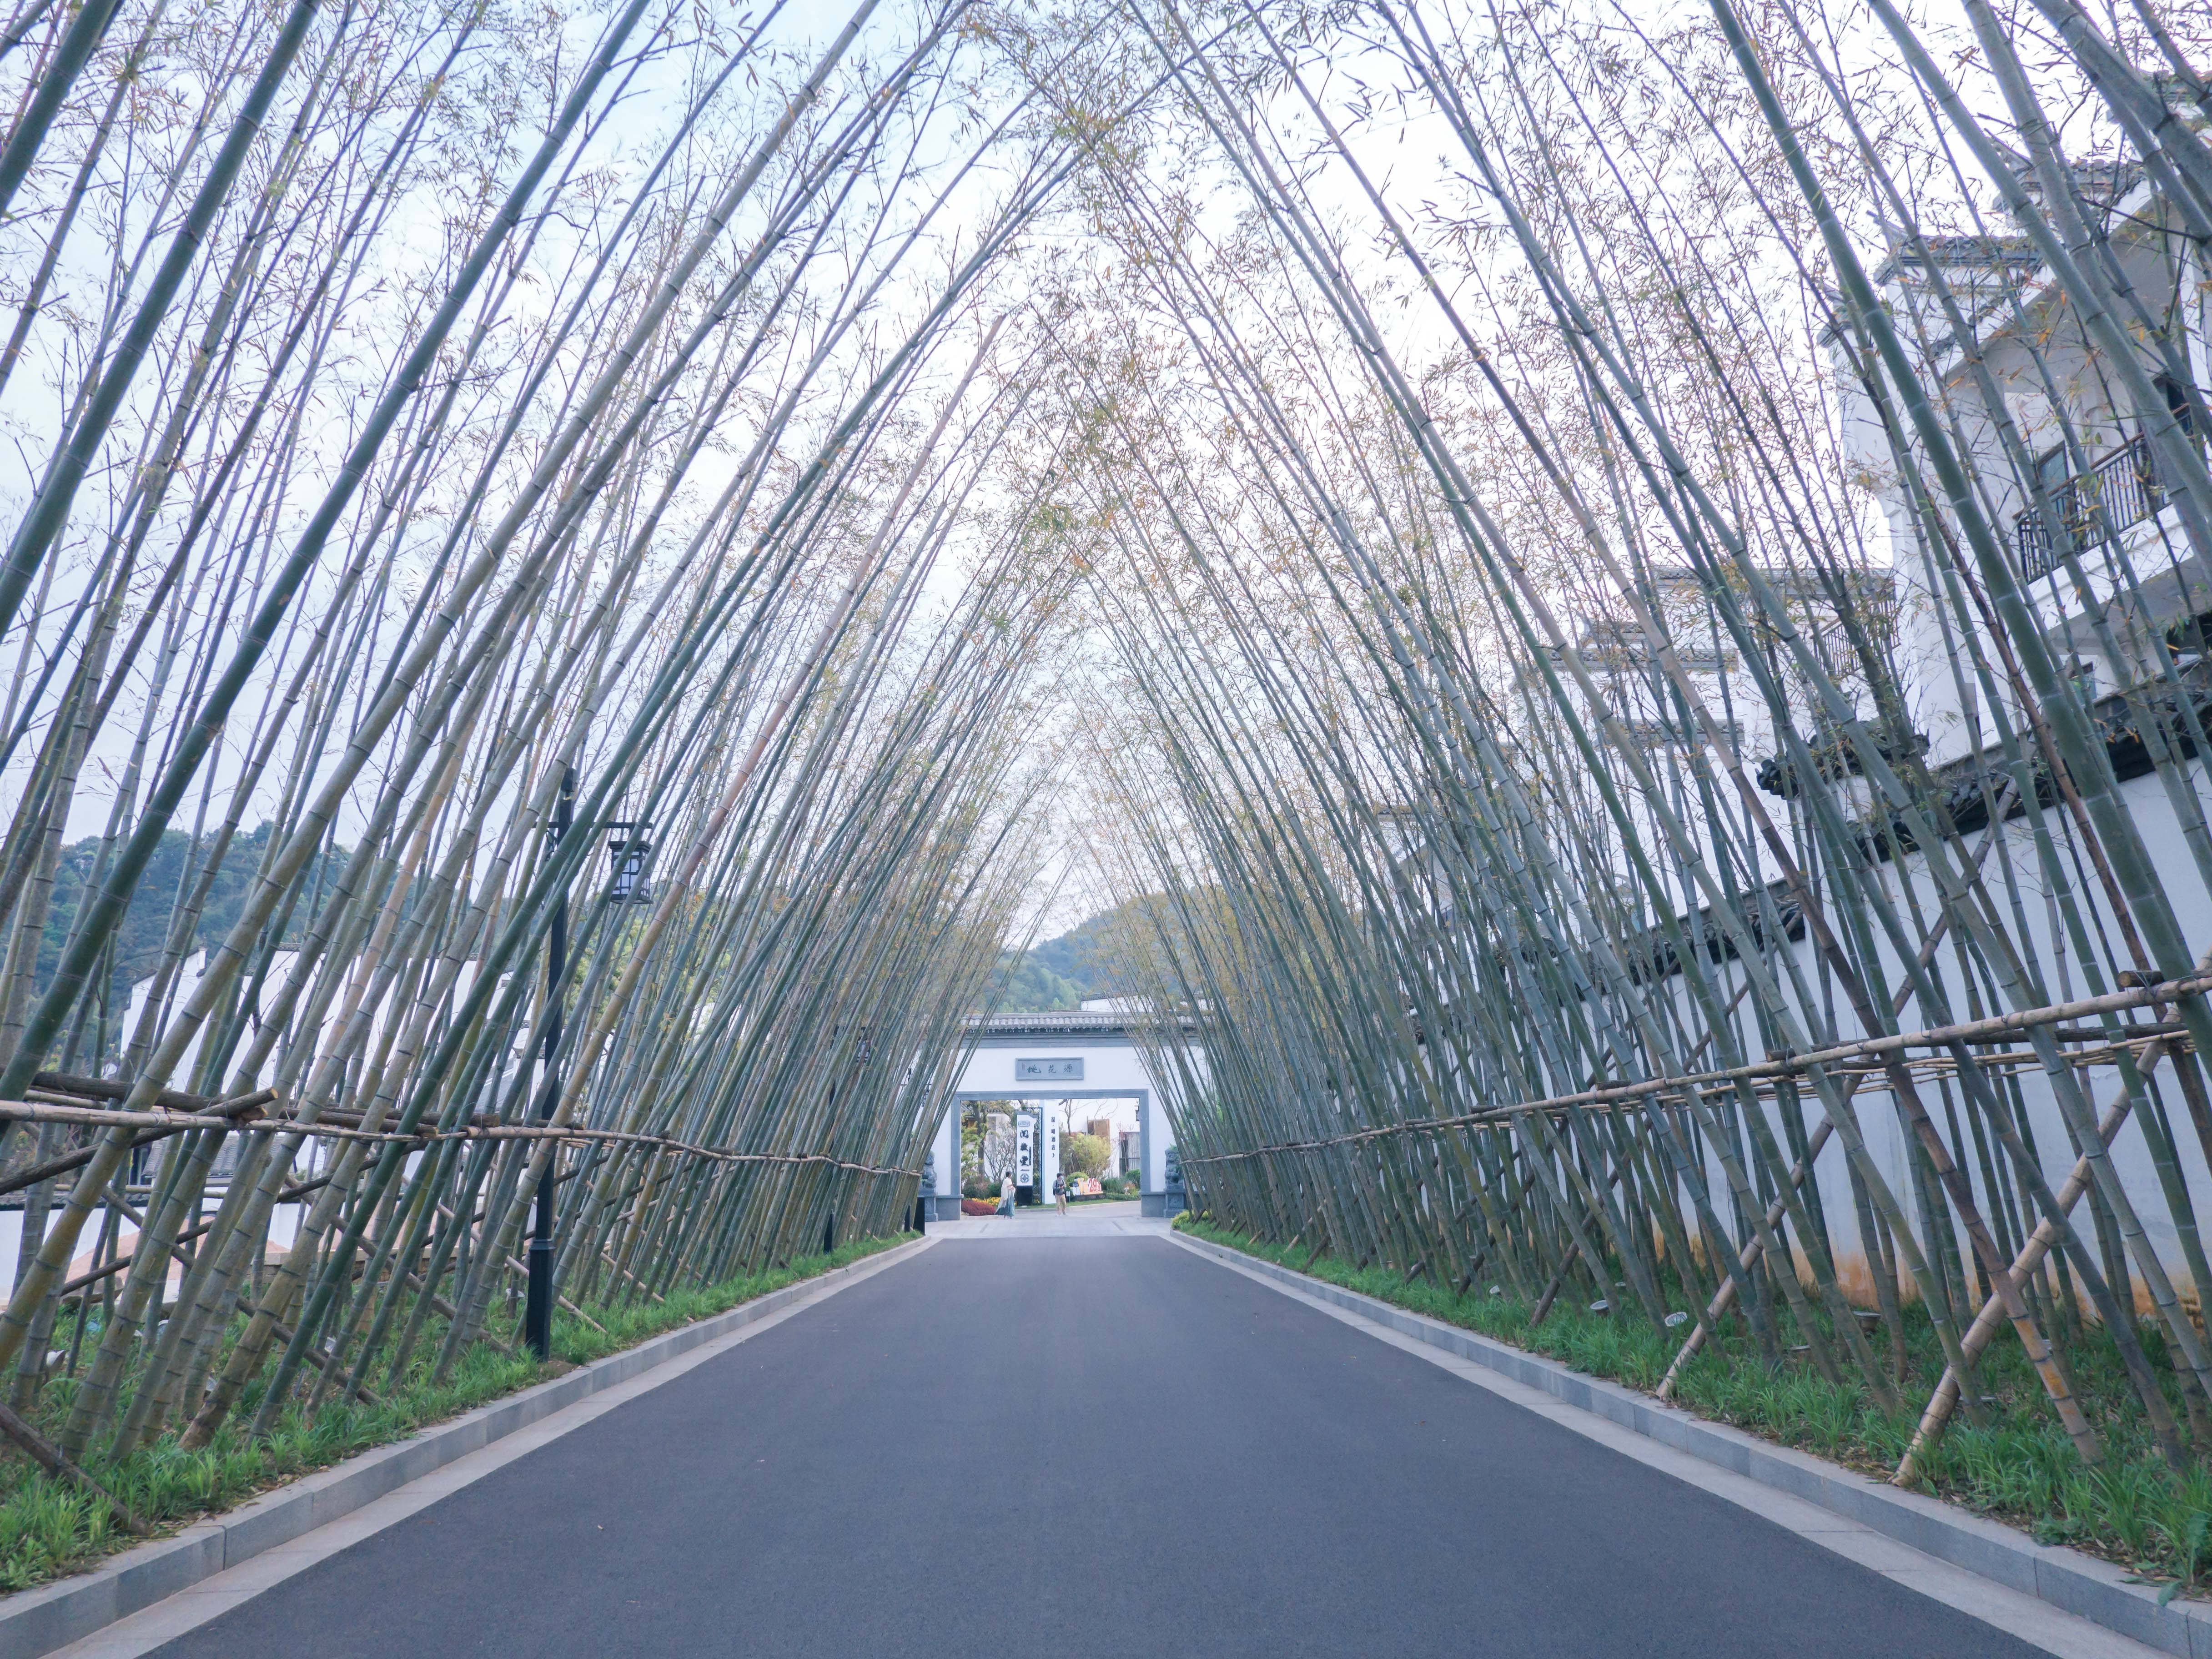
50,1528
2021,1469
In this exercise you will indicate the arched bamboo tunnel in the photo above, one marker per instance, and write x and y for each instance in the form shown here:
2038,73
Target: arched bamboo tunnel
1646,693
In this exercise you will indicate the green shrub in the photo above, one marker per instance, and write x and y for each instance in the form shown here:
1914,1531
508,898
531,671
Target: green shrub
1084,1155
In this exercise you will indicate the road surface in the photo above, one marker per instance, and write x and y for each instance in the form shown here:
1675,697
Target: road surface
1051,1442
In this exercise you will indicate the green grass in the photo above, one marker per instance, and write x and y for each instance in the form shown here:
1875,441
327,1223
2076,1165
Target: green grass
2021,1469
48,1528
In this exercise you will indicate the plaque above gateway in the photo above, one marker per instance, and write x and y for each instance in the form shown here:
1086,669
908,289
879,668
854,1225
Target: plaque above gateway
1055,1070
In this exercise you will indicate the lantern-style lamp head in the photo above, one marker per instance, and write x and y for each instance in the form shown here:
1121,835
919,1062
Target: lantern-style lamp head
629,851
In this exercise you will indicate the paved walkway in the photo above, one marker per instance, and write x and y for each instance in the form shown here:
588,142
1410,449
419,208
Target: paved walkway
1082,1221
1023,1442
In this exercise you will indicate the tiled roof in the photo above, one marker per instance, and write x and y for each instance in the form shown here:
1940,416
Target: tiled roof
1077,1023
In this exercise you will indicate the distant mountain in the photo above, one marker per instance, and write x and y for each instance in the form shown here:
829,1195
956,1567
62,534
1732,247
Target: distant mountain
146,922
1061,972
1074,957
1032,988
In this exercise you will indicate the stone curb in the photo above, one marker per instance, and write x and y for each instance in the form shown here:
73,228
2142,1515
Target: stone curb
38,1621
2078,1583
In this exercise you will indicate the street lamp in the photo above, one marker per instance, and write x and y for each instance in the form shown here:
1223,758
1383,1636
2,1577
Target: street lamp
537,1303
628,849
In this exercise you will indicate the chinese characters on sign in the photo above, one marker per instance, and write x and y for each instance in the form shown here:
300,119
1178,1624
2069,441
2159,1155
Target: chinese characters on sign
1048,1071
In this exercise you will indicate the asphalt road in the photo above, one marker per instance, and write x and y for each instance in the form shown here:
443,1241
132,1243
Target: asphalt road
1082,1446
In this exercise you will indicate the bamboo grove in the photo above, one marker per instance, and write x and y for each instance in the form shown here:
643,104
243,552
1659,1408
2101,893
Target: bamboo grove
1664,767
517,547
1631,579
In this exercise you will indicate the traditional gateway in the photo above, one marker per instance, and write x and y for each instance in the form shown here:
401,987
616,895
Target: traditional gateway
1090,1055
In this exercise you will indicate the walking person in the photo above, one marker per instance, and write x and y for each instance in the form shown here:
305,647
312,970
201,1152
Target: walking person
1059,1192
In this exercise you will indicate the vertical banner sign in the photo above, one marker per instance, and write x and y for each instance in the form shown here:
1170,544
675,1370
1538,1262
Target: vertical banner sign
1025,1150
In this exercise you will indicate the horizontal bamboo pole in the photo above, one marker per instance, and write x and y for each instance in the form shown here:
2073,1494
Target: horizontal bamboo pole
1788,1063
33,1111
108,1088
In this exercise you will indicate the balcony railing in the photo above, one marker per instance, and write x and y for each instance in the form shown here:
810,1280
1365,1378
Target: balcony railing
2121,490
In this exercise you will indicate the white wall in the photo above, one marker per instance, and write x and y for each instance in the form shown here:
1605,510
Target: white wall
1878,1115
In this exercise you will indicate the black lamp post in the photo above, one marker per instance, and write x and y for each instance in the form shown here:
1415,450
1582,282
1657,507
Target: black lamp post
628,849
538,1306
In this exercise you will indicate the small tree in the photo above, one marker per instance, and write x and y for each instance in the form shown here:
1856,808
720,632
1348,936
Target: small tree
1083,1155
